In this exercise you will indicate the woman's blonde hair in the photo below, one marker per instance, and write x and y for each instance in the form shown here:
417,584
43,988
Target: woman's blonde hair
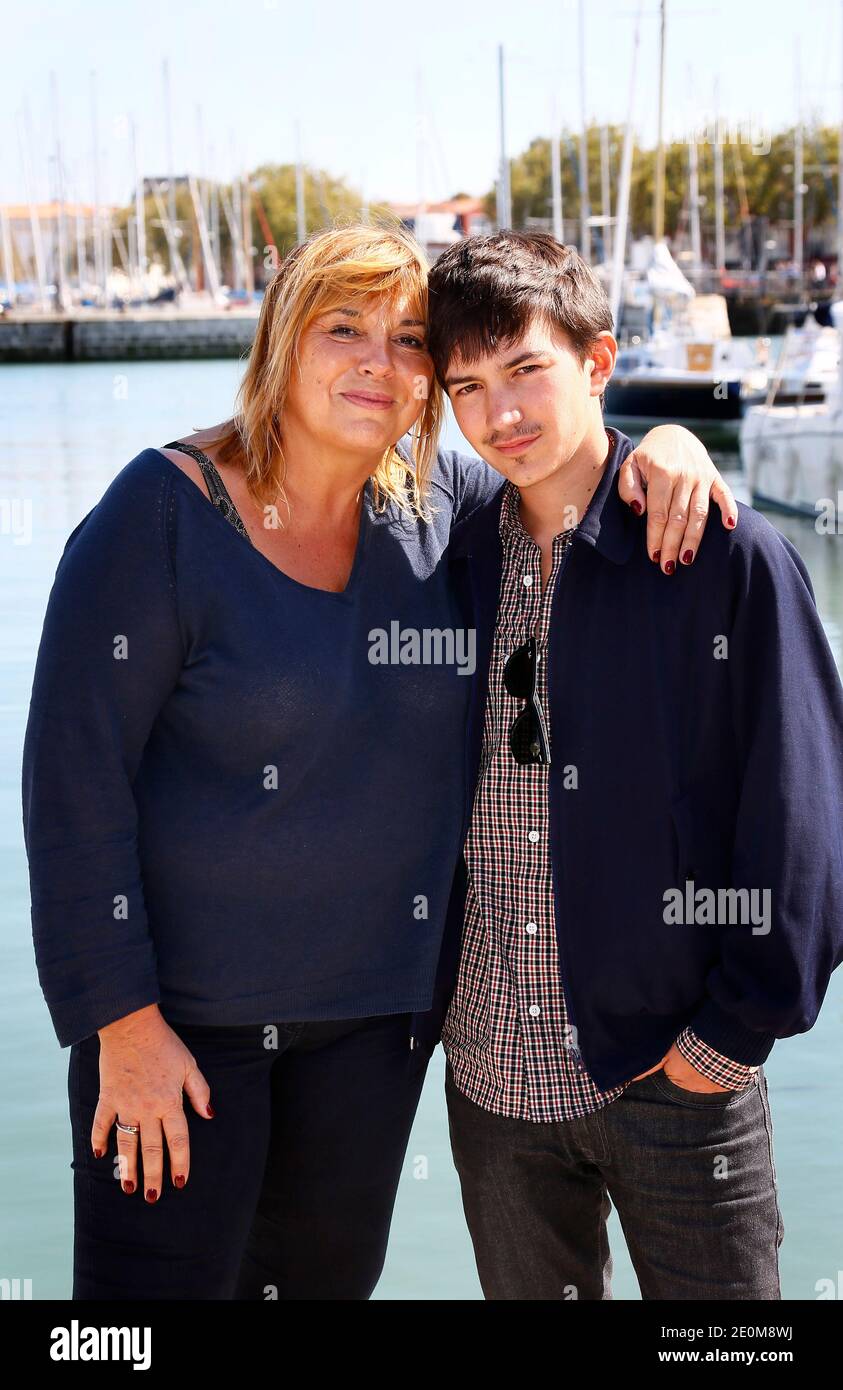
323,273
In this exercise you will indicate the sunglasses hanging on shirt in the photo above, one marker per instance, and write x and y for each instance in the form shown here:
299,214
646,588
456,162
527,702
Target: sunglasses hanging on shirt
528,738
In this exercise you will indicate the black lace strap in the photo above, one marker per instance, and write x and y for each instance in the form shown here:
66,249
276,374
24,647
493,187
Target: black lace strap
217,490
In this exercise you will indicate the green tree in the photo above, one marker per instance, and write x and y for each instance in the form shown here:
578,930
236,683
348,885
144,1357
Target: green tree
758,181
327,200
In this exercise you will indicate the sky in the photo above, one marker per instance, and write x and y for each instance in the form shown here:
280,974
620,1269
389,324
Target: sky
398,99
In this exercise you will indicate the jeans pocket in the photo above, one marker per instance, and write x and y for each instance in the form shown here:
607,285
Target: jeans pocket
418,1060
683,1096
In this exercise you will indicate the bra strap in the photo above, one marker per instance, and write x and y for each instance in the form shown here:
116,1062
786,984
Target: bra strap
217,490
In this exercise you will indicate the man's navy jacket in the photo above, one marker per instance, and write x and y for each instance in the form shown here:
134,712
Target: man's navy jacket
697,738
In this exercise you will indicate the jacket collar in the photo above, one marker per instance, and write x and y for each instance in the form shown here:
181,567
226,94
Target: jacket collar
608,525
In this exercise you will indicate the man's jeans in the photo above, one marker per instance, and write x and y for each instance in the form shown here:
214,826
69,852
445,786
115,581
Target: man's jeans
691,1175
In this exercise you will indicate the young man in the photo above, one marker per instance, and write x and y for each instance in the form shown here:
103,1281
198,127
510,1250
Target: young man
605,1030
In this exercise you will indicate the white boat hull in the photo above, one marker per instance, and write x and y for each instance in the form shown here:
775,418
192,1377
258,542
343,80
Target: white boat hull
793,457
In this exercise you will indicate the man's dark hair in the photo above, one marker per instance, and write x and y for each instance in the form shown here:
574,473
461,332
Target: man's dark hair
485,290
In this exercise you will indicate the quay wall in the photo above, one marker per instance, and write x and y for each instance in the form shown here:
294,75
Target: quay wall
117,337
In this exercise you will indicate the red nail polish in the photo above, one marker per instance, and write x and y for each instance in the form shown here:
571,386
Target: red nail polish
688,557
210,1110
657,555
152,1195
128,1186
97,1153
731,521
636,507
179,1180
669,567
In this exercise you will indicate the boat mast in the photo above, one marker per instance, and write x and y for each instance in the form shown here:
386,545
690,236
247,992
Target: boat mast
301,223
585,210
178,267
81,254
235,221
658,208
719,200
605,193
798,172
61,239
233,217
171,173
25,135
140,214
99,256
8,257
202,173
108,237
168,133
420,162
205,241
214,200
504,192
625,181
694,197
249,264
556,175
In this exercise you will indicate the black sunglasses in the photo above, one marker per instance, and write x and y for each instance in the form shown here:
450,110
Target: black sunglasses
528,740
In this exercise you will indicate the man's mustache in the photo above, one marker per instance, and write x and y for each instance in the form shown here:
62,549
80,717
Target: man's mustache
496,439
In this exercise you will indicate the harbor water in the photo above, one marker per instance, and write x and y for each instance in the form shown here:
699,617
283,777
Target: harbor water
67,430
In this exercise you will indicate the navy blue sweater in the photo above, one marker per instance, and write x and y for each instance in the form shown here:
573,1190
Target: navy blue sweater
703,716
228,808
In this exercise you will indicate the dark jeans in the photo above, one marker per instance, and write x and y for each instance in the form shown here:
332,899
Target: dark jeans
291,1185
691,1175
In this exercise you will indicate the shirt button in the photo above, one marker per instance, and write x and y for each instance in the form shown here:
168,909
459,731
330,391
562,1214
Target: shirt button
534,1010
528,581
531,928
533,836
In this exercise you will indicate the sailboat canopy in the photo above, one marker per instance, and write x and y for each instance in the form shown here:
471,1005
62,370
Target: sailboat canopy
664,276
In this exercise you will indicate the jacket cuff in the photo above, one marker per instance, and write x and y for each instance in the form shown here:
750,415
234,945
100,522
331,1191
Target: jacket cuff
723,1070
728,1036
77,1019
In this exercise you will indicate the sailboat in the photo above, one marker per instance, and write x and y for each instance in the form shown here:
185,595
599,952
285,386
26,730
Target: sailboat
807,366
793,454
690,368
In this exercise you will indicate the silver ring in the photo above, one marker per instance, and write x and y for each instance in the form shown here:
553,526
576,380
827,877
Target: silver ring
127,1129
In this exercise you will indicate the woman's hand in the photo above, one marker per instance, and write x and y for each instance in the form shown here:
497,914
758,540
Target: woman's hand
144,1067
671,477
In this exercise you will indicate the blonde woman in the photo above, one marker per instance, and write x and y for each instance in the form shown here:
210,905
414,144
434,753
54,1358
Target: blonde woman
243,799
